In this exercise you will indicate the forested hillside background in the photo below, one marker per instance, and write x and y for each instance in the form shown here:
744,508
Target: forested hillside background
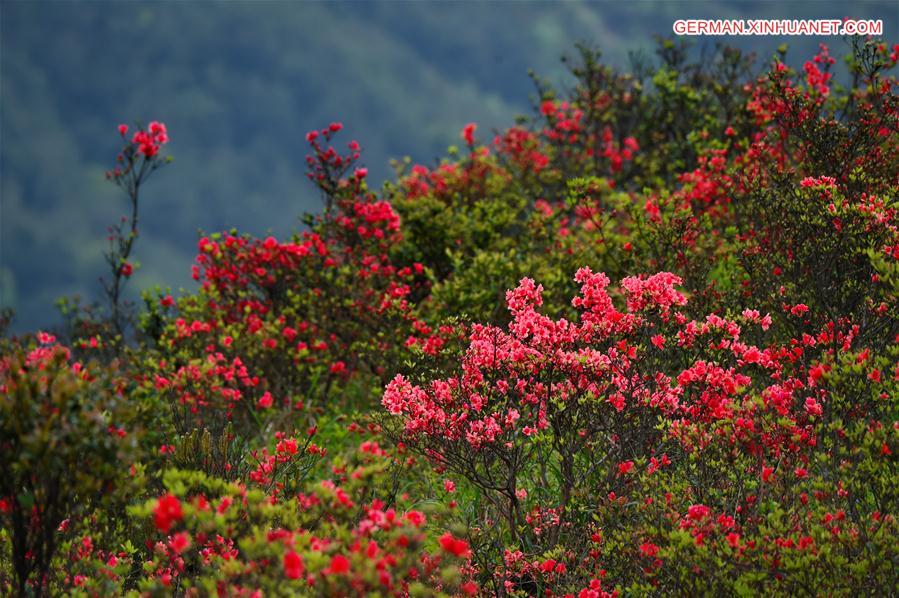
239,84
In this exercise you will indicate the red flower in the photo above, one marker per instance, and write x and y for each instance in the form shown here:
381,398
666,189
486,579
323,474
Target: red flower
416,518
649,549
339,565
799,309
180,542
625,467
813,407
817,372
167,512
468,133
454,546
148,142
338,367
127,269
293,565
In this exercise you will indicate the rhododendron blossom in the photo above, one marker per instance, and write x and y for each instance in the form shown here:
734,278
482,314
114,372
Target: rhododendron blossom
167,512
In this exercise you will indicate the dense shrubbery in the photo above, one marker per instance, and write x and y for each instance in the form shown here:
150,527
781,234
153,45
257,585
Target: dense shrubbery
438,388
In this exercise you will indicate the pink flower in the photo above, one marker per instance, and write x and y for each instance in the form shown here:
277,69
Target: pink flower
752,355
157,129
812,407
449,486
697,512
180,542
656,291
265,401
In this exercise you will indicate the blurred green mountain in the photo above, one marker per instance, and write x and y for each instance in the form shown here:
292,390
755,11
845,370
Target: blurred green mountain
239,84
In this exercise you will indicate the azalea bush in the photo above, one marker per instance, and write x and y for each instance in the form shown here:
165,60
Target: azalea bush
279,329
646,422
645,341
103,327
215,537
68,449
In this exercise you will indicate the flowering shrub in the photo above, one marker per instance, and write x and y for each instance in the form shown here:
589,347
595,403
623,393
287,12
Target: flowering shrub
215,537
565,425
277,326
66,453
205,534
388,403
138,159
